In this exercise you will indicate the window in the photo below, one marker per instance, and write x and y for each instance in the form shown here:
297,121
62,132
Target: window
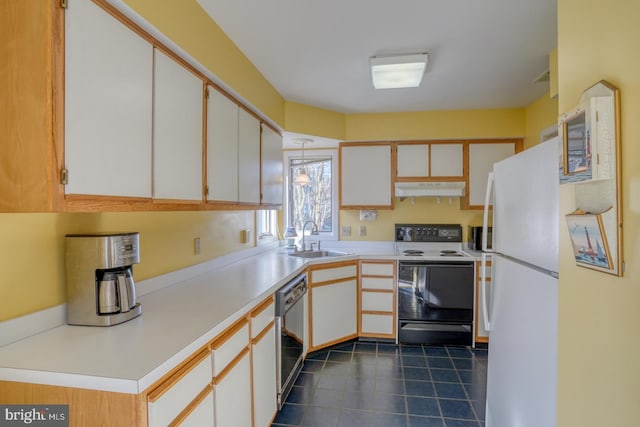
316,202
266,226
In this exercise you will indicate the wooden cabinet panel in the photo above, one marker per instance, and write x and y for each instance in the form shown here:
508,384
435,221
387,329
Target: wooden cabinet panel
202,415
378,299
168,400
264,379
177,131
446,160
377,324
222,147
108,105
413,160
365,176
482,156
271,166
228,347
232,396
335,273
248,158
333,312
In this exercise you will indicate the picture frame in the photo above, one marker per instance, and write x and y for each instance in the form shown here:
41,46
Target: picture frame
576,146
589,239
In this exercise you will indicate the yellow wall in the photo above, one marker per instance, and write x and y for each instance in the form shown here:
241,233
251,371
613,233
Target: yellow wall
189,26
419,210
436,124
541,114
315,121
598,368
32,250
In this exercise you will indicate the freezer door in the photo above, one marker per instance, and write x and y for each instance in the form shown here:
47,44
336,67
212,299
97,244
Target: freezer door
526,206
522,366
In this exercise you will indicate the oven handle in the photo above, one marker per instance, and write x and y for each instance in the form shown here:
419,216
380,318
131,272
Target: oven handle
483,292
462,264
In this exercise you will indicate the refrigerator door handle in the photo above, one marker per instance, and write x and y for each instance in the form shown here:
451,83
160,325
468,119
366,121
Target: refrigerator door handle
483,292
485,216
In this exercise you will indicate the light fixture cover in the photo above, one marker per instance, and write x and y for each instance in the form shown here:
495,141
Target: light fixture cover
398,71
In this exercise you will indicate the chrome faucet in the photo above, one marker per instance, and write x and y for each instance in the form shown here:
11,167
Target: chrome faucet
314,232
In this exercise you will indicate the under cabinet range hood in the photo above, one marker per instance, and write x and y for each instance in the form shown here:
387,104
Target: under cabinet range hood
430,189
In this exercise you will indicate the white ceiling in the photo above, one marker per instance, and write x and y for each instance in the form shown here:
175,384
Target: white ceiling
482,53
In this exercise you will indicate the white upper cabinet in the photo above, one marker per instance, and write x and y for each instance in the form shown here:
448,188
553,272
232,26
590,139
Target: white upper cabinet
446,160
233,151
413,160
108,104
248,158
429,160
365,176
482,156
272,168
177,131
222,147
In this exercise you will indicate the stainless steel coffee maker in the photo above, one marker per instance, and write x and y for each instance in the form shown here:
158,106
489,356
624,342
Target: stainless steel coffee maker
100,286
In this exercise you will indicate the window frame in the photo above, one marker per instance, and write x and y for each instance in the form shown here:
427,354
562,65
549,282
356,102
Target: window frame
272,233
310,155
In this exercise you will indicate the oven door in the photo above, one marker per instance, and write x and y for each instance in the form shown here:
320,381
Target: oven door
435,302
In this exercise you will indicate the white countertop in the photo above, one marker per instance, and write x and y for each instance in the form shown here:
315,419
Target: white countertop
176,321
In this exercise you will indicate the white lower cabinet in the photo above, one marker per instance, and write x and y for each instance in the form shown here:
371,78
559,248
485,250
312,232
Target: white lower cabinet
378,299
202,414
264,378
232,395
334,296
177,393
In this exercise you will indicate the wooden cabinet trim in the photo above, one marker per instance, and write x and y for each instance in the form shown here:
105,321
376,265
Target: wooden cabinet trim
230,366
191,406
161,386
262,306
264,332
223,337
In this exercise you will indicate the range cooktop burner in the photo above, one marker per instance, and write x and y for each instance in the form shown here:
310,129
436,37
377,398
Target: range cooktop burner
448,252
413,252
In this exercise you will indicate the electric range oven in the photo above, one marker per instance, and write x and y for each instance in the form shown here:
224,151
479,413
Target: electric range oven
435,285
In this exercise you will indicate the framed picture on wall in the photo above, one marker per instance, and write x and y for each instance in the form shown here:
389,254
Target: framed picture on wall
589,239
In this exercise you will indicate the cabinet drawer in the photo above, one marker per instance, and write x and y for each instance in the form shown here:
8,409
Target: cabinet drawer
225,350
330,274
171,397
377,301
377,283
377,324
377,269
261,319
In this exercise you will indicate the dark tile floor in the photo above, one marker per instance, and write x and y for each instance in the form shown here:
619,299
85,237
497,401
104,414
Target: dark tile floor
386,385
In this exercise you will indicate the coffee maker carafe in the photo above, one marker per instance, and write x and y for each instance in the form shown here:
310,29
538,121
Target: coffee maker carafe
100,286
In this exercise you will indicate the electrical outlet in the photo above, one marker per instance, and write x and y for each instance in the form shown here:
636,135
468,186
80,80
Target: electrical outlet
363,230
345,230
196,246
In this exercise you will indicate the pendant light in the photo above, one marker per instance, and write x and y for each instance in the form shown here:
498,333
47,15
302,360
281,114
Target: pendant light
302,179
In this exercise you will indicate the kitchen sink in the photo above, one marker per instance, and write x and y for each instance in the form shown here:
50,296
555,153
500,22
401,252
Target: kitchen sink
318,254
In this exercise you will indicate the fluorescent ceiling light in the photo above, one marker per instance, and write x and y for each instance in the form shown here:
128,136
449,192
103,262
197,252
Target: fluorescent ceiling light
398,71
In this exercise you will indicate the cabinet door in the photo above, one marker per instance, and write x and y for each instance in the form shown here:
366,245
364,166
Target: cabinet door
413,160
271,166
108,104
177,131
202,415
248,158
333,312
481,160
446,160
365,176
232,396
222,147
264,379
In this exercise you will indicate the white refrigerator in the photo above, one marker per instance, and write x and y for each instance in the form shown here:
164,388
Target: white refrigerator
521,300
